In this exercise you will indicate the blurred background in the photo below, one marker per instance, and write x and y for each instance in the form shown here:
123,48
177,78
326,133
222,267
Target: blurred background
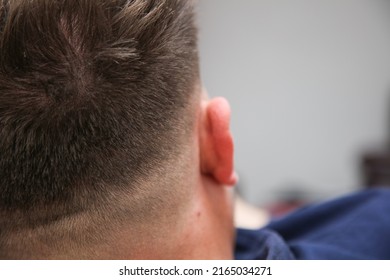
309,86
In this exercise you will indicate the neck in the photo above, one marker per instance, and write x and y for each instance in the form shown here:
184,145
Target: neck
206,232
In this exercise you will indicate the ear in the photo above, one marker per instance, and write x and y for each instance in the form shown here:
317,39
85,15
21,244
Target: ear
216,142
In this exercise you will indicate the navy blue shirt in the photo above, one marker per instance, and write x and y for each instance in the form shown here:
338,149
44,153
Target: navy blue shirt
352,227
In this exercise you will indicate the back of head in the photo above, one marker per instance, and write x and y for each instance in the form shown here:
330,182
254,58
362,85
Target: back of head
96,104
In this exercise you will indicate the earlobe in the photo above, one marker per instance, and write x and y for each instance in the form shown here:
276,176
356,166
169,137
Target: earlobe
217,147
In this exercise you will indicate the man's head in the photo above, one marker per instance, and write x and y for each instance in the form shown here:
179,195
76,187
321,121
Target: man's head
101,125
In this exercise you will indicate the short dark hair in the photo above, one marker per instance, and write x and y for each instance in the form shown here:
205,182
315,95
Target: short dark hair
93,97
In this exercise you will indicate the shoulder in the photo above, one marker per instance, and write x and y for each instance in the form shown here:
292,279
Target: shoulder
353,226
260,244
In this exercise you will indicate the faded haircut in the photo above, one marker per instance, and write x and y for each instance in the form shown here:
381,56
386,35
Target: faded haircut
95,97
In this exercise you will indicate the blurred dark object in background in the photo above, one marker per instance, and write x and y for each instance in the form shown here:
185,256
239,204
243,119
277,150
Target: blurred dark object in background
375,163
376,169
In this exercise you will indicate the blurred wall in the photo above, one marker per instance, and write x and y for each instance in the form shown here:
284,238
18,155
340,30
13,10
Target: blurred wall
309,85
